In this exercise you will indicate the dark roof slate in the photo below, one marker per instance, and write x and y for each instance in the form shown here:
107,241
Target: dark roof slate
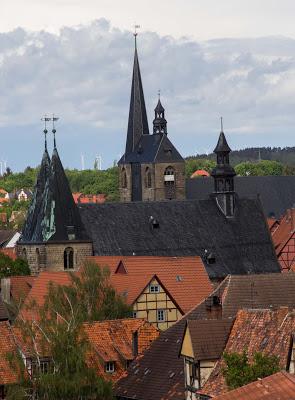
30,226
161,363
222,146
277,193
240,245
5,236
209,346
59,218
137,122
153,148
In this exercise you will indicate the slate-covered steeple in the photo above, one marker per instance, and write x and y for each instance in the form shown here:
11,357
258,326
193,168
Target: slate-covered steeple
137,123
159,123
29,230
223,175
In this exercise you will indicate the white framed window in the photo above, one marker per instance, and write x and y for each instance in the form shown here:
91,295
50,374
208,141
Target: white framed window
161,315
154,288
110,367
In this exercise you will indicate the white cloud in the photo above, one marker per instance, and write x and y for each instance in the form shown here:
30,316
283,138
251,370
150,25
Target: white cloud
83,74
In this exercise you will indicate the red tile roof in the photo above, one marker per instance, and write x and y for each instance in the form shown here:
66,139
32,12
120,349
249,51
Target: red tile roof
20,286
279,386
185,278
112,341
7,345
10,252
200,172
263,331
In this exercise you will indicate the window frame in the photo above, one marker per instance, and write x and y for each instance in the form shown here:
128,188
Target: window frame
161,312
154,286
107,368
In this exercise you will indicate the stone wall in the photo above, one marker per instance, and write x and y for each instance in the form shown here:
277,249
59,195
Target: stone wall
125,192
160,190
50,256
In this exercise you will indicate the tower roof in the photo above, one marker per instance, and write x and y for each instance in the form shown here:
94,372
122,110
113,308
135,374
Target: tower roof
159,107
222,146
137,123
29,229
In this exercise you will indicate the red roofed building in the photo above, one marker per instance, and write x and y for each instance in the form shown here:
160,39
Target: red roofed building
279,386
80,198
284,240
116,343
15,289
8,375
160,289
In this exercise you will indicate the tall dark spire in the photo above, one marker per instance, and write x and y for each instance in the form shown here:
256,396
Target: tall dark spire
29,230
137,123
223,175
159,123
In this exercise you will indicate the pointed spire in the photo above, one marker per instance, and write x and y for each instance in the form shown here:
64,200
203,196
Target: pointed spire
30,227
222,146
54,119
159,123
137,123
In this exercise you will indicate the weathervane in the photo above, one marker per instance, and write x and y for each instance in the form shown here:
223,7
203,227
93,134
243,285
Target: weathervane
54,119
45,131
221,123
135,33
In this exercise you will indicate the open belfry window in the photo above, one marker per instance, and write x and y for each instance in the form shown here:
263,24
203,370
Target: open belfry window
69,258
169,183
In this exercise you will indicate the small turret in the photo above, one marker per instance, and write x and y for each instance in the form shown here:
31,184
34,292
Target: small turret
160,123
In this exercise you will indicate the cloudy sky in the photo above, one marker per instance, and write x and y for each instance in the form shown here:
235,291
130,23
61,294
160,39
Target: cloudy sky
209,58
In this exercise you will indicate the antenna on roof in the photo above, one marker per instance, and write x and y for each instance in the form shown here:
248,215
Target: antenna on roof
221,124
45,131
54,119
135,33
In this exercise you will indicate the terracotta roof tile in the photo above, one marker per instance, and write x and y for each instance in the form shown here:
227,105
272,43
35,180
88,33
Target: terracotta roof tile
263,331
10,252
278,386
20,286
185,278
7,345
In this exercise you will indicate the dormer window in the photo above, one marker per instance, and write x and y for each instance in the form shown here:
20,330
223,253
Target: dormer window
110,367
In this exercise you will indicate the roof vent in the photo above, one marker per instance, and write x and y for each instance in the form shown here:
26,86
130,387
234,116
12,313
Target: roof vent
178,278
154,222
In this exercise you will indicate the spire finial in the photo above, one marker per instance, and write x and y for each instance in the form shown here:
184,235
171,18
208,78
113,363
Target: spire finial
221,124
135,33
45,131
159,94
54,119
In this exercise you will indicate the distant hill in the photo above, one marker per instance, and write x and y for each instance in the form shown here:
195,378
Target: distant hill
285,155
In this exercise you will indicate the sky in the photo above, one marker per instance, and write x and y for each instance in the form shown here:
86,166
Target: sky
210,58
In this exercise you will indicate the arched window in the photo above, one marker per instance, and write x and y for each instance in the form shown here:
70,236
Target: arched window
69,258
148,178
24,253
169,183
124,178
38,258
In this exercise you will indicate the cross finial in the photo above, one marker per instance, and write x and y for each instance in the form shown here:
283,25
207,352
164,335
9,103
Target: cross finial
54,119
135,33
221,124
45,131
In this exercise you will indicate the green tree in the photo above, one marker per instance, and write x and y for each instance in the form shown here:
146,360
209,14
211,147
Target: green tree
239,371
57,330
9,267
192,164
261,168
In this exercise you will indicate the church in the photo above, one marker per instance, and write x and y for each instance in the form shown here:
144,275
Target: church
153,217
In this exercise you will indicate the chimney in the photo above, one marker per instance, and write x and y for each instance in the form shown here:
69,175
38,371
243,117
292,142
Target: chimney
5,289
135,344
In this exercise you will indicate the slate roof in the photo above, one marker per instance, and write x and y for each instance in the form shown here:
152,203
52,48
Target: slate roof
209,337
277,193
222,146
278,386
137,122
58,217
5,236
162,361
184,278
35,208
266,331
240,245
153,148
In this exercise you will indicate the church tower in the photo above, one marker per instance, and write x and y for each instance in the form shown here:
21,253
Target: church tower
151,168
53,237
223,174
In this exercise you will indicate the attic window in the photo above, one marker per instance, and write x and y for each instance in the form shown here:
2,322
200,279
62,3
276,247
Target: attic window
154,222
154,288
121,268
71,232
110,367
